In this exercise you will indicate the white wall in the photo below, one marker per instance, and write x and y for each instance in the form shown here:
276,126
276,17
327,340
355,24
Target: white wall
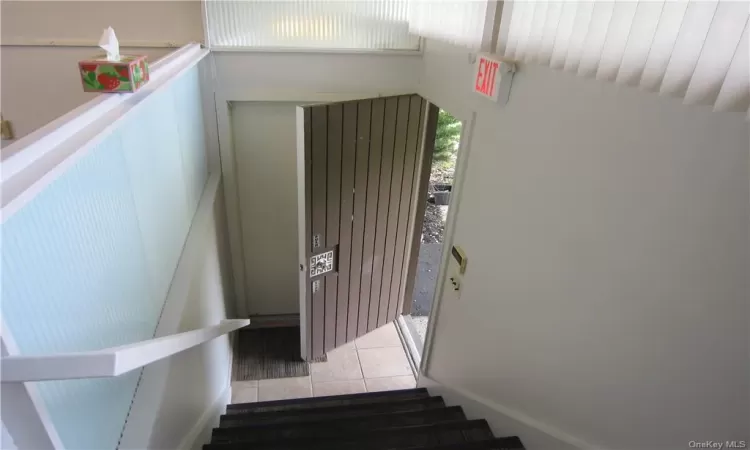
6,441
199,379
606,229
265,156
264,151
178,399
40,82
287,73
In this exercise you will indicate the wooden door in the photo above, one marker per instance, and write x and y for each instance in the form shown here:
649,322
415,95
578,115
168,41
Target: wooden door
358,170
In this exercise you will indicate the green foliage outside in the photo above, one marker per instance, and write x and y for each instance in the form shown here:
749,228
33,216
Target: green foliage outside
446,139
447,136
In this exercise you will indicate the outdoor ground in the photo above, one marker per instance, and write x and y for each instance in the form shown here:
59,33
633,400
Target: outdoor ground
430,251
433,228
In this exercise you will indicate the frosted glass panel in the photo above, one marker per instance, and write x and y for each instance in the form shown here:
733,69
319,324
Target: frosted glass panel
370,25
87,264
154,165
457,22
74,272
75,278
192,136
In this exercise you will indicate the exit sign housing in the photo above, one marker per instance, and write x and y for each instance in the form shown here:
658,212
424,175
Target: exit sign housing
487,77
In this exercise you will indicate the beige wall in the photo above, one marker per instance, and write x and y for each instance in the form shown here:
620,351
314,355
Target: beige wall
265,148
40,82
136,22
606,229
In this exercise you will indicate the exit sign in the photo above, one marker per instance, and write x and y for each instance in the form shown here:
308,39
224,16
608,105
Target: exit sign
487,77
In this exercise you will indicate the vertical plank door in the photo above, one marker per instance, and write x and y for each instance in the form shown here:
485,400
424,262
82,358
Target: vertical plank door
359,172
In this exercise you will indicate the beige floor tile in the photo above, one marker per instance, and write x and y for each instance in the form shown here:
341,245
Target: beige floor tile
385,336
390,383
342,365
384,362
244,391
284,388
249,384
245,395
345,347
338,388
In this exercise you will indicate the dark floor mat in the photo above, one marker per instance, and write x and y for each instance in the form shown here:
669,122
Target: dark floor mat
266,353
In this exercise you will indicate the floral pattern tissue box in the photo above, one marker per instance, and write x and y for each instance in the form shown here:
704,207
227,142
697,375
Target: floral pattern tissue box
126,75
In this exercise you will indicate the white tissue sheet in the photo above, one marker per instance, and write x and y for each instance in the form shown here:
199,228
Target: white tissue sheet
110,44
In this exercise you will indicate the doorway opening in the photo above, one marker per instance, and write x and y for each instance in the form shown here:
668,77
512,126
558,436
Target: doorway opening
419,302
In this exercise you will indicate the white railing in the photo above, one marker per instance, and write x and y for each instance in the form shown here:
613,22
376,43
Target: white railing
109,362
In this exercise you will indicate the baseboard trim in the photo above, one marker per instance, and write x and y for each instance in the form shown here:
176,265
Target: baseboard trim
200,433
505,421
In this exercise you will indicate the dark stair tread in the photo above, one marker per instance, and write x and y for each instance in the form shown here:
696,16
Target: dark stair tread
329,412
352,426
381,439
334,400
503,443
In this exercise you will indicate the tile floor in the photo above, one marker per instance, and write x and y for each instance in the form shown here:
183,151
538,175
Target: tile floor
374,362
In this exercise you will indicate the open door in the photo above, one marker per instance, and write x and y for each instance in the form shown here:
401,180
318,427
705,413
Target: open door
358,172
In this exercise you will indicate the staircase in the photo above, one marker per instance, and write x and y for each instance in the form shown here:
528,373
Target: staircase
407,419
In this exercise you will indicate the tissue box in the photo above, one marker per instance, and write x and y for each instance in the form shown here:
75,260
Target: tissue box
126,75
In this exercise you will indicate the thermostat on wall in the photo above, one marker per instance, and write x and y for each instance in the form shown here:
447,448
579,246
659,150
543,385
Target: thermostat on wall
460,256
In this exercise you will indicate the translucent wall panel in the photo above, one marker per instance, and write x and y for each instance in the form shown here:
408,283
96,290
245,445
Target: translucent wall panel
88,262
688,49
337,24
457,22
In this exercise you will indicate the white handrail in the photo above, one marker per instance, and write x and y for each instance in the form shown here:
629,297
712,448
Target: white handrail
109,362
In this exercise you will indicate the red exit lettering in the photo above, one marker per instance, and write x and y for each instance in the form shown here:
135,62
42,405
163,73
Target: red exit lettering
486,73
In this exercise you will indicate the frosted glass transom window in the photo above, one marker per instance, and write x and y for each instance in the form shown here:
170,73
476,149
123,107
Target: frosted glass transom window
310,24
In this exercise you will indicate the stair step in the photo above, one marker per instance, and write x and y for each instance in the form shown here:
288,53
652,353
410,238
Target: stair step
388,438
504,443
334,400
329,412
339,428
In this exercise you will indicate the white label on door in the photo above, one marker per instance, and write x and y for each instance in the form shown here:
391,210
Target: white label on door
322,263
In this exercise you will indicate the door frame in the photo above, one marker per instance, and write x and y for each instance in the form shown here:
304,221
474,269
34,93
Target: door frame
420,359
223,99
